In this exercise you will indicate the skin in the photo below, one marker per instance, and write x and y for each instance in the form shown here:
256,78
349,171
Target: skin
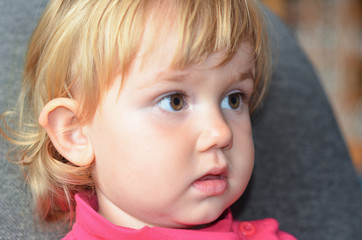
148,155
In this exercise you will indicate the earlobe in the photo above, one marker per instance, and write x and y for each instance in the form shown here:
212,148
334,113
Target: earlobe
59,119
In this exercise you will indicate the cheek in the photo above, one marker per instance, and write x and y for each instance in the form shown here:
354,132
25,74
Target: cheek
243,153
129,147
243,161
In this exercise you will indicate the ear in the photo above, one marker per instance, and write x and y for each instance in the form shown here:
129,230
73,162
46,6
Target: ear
59,119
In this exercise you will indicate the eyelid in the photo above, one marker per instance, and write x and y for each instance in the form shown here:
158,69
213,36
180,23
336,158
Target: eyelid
169,95
245,87
244,94
243,100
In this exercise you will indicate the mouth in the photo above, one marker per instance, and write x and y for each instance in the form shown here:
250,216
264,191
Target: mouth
213,183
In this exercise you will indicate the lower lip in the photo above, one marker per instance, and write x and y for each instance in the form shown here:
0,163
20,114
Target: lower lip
211,187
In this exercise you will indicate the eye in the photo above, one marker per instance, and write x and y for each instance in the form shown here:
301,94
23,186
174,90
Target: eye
173,102
232,101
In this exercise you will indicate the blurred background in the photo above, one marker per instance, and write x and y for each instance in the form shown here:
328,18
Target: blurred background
330,32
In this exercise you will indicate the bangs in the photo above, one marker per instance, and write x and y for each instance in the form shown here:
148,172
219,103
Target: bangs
209,26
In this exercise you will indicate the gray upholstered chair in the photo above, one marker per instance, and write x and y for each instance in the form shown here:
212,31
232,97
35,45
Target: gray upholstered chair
303,174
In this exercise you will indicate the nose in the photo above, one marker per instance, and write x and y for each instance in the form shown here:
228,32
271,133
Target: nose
215,132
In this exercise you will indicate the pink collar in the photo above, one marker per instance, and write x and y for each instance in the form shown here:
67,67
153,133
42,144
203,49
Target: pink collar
91,225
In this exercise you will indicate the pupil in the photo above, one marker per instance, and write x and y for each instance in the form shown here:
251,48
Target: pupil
234,101
177,102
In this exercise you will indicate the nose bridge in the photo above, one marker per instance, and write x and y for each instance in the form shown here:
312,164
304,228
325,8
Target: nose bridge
215,131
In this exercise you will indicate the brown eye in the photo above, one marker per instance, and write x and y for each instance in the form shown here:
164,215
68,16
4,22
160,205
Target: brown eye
172,103
232,101
176,102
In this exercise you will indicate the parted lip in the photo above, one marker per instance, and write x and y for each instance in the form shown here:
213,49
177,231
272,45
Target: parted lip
213,183
214,173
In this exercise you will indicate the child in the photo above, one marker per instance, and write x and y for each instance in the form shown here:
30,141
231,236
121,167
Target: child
135,115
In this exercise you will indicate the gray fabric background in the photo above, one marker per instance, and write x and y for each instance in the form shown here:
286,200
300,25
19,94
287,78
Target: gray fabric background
303,174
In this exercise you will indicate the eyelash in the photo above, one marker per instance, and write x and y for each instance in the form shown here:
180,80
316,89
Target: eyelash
164,103
229,102
244,95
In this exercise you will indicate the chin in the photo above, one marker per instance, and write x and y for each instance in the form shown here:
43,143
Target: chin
204,219
204,222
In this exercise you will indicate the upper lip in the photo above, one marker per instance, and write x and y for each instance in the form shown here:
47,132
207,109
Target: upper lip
215,173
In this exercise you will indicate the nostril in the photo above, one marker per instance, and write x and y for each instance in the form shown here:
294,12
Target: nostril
215,132
225,138
228,147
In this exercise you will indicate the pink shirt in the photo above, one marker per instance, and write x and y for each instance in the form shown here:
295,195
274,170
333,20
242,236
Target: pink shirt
90,225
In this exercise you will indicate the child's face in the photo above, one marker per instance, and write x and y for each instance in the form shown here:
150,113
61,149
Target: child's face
173,148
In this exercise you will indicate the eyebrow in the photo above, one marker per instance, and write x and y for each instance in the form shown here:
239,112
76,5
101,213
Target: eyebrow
167,76
240,76
172,76
180,77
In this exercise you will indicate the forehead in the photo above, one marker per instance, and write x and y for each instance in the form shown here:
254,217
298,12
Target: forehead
159,41
157,69
159,47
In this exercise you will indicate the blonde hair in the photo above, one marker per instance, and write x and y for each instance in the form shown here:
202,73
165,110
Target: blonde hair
78,48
